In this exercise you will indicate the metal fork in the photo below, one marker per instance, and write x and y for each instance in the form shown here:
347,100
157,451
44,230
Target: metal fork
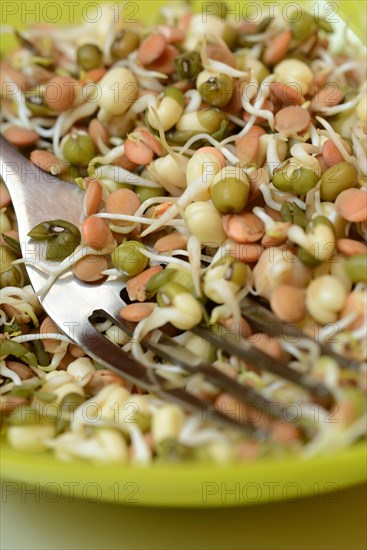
74,306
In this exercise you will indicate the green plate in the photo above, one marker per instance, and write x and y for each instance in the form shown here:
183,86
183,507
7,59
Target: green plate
185,485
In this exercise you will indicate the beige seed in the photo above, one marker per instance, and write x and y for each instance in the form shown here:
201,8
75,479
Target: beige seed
136,312
266,343
48,162
98,132
8,76
288,303
96,233
89,269
151,48
151,141
331,154
137,152
292,121
247,253
355,303
277,236
351,204
8,404
285,94
247,147
244,227
242,412
49,327
284,432
171,34
19,316
23,371
100,379
166,62
5,198
92,197
136,285
227,369
173,241
65,361
242,329
350,247
76,351
327,97
277,48
61,92
20,137
221,53
122,201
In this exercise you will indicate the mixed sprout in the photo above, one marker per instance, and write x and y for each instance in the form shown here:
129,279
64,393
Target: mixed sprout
219,159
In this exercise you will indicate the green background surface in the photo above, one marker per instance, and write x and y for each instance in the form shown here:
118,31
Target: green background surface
48,520
27,523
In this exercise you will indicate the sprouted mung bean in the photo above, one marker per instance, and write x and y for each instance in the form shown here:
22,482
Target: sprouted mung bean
233,154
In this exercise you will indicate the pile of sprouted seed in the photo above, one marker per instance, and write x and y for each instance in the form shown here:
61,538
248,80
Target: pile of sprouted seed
219,159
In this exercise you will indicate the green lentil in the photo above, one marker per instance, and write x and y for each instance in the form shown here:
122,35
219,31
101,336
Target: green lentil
290,212
125,42
356,268
217,90
230,195
303,26
10,275
336,179
89,57
188,65
62,238
78,149
145,193
128,258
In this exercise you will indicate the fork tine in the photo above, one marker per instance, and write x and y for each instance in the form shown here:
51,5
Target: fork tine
111,356
114,358
169,349
265,320
319,392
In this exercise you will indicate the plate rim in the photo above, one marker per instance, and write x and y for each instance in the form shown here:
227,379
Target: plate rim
201,485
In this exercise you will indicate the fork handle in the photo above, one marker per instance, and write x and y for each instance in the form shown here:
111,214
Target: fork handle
36,195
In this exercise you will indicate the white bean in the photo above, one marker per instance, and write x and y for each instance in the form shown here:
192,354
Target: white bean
325,297
294,72
167,423
30,439
118,91
205,222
